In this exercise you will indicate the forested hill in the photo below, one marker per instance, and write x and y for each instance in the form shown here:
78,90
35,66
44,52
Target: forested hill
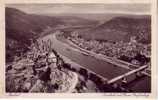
22,27
121,28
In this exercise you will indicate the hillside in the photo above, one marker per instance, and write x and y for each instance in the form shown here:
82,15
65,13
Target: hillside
121,28
22,27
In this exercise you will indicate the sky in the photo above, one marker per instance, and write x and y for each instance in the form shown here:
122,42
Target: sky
82,8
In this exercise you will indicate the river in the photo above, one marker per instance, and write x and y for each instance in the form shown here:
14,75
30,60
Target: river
98,66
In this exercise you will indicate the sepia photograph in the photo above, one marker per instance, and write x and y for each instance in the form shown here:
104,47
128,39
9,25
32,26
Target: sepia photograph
78,48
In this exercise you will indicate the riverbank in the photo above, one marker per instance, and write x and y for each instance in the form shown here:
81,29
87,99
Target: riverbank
98,56
108,59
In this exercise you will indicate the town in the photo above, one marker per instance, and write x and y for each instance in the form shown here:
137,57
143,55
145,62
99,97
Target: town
132,51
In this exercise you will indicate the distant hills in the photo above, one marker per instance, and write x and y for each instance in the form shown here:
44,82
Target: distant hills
21,27
121,29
